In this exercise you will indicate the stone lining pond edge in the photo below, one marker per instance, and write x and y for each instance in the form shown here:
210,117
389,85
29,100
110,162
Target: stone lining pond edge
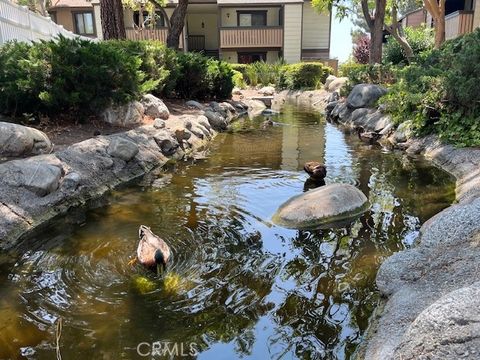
441,271
37,189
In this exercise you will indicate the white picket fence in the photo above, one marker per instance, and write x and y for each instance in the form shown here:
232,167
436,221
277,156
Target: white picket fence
19,23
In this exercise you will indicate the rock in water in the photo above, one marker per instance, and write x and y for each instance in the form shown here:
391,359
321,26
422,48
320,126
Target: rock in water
322,207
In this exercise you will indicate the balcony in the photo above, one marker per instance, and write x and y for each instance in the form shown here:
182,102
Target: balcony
458,23
150,34
261,37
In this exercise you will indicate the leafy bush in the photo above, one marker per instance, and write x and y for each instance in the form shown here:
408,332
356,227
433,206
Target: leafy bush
420,39
24,70
305,75
418,93
440,93
88,76
219,79
238,79
81,78
201,77
361,49
159,63
365,74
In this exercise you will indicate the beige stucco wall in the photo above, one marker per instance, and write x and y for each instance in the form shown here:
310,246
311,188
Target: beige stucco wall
292,33
65,18
476,15
210,30
98,21
315,29
231,21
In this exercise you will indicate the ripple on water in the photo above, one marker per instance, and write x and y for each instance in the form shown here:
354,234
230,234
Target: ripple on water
238,286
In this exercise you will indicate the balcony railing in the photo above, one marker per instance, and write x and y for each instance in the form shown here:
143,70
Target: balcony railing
458,23
240,37
150,34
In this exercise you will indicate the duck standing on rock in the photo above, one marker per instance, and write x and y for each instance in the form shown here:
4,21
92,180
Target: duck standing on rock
316,170
152,251
369,137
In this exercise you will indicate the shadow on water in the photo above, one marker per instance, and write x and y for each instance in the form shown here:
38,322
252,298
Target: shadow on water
241,286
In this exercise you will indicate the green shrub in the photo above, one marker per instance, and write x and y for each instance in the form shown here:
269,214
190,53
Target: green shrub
365,74
24,70
159,63
238,79
88,76
219,79
420,39
251,76
201,77
305,75
417,94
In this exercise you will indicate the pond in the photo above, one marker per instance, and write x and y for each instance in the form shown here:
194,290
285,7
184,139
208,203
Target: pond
239,286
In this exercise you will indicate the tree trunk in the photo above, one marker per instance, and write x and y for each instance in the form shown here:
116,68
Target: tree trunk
396,31
375,24
376,44
437,10
177,22
111,15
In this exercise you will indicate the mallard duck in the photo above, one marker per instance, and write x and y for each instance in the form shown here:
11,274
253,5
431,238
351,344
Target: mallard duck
316,170
369,137
267,123
152,252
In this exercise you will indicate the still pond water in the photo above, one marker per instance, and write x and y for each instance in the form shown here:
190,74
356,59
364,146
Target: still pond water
239,286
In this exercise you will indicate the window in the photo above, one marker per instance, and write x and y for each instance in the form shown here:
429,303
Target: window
248,58
150,20
84,23
252,18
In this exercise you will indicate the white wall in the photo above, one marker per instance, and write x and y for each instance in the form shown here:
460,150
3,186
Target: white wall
210,30
292,33
316,28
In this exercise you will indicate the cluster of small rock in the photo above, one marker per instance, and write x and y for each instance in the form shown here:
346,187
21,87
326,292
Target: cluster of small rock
37,188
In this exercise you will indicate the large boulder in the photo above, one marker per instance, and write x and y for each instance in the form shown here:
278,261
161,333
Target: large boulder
322,207
154,107
447,329
364,95
329,80
122,148
267,91
216,120
40,177
194,104
124,115
336,84
18,140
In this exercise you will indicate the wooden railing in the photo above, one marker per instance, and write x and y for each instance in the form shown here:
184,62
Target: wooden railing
150,34
458,23
196,42
240,37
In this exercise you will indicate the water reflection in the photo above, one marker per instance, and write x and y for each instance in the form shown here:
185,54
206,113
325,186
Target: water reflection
246,288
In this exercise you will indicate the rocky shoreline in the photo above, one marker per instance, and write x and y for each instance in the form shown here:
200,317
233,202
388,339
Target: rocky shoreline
430,293
46,184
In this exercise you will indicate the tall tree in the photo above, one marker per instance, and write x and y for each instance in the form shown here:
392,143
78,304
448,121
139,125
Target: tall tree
111,15
437,10
374,18
177,22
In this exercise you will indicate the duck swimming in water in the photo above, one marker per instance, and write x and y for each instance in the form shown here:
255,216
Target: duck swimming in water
316,170
152,252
